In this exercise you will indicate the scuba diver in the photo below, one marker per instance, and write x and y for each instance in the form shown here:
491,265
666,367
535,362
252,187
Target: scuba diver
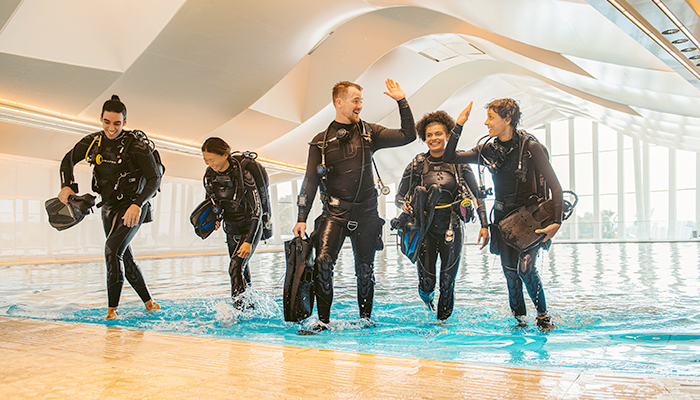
439,196
517,162
126,174
232,188
340,165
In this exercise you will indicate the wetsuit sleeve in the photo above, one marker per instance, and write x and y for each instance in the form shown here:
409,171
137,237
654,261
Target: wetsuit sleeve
451,153
470,180
74,156
145,161
310,184
542,164
253,198
404,187
383,137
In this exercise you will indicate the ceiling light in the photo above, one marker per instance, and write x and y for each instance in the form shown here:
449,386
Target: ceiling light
689,49
662,42
679,41
695,57
21,114
320,42
671,31
676,21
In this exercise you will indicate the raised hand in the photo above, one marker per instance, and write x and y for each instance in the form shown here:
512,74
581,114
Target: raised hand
464,115
394,90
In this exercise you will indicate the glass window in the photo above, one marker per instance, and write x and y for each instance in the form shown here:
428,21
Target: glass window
686,169
583,135
285,201
584,216
607,138
560,138
607,170
658,168
608,216
584,174
685,211
561,168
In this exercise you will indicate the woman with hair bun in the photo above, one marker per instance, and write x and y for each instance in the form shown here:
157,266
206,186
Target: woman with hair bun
126,175
231,186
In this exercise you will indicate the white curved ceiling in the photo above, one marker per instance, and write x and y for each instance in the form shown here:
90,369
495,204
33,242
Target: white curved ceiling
190,69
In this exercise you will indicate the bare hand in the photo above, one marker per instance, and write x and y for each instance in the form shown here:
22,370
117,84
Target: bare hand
549,231
395,91
131,216
407,208
483,235
217,225
64,193
244,251
299,229
464,115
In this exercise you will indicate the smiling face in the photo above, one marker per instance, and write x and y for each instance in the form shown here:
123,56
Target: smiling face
498,127
218,163
348,106
112,123
436,138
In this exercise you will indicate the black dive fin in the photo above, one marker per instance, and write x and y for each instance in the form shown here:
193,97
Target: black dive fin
62,216
204,218
298,293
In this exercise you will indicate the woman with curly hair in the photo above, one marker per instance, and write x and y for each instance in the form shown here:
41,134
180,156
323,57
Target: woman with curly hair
438,195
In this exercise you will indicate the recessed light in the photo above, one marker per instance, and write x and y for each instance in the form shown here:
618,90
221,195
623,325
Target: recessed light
679,41
671,31
694,57
689,49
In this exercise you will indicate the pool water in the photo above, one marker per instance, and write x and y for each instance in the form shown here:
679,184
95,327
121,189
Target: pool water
618,307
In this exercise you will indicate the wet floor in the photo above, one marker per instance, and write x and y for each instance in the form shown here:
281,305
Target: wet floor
619,308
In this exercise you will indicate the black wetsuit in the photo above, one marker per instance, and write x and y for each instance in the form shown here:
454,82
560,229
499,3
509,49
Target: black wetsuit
125,173
349,201
240,203
426,171
512,192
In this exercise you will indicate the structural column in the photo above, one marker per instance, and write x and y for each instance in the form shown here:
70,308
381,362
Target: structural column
639,189
572,178
596,184
276,233
672,194
621,234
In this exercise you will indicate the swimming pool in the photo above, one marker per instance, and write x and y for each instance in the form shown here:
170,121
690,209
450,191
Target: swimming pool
619,307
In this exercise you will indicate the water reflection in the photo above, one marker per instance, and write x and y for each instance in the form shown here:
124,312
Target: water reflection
617,307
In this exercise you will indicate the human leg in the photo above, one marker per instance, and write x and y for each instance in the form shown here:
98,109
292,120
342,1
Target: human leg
426,264
366,240
450,256
236,266
119,237
509,263
330,236
527,270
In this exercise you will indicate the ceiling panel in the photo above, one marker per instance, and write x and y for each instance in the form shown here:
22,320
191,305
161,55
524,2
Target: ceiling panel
50,85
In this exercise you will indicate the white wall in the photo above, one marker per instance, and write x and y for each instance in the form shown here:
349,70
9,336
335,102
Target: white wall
25,233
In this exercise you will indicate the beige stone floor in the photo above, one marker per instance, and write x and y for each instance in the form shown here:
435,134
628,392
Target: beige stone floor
58,360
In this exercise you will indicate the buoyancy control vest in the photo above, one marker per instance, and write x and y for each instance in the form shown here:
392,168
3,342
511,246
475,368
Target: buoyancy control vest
116,175
228,189
455,191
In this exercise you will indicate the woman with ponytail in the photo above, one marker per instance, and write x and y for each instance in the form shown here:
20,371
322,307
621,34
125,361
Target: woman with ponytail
233,189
